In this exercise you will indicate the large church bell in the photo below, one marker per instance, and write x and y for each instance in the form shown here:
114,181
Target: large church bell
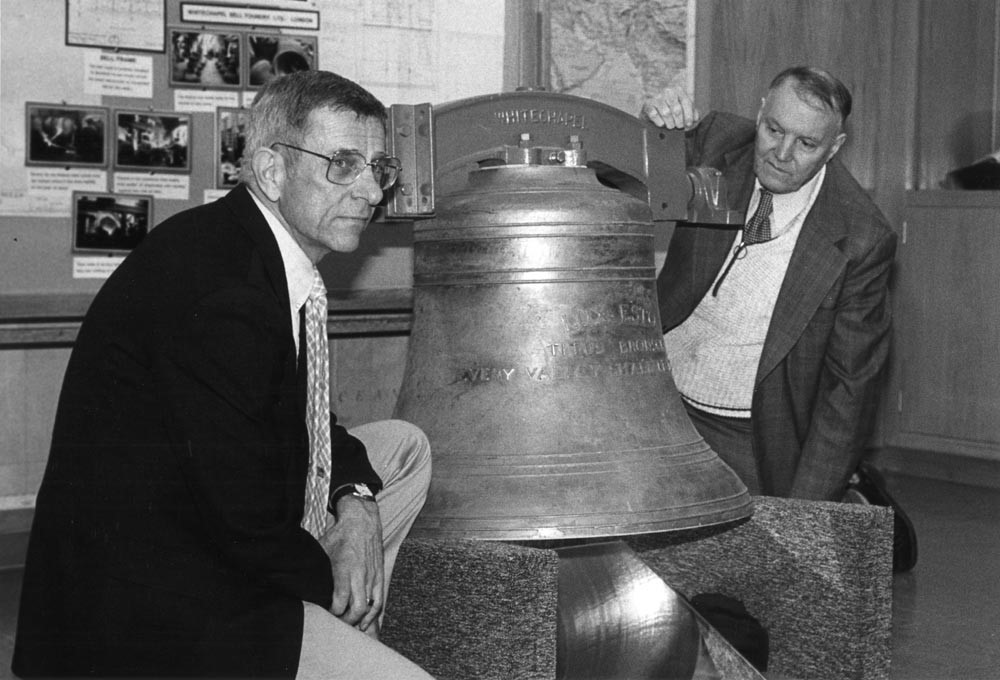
536,363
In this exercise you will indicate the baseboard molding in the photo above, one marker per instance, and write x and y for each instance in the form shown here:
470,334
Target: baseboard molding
13,550
950,467
15,524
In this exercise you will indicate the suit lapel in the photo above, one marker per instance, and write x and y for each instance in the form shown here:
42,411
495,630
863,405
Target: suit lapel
269,269
250,218
816,263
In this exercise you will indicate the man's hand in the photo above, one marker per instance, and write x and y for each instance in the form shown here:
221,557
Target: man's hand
354,544
673,110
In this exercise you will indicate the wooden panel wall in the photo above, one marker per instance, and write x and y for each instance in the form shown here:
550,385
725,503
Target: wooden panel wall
871,45
956,117
948,325
924,77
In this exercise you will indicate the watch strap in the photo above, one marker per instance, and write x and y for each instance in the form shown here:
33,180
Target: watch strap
356,489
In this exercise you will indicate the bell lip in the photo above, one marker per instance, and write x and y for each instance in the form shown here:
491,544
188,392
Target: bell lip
464,528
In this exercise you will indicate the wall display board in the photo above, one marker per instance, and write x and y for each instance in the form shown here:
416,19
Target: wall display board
148,98
69,216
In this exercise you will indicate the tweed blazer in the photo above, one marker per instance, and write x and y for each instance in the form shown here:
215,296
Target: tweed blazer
166,539
817,383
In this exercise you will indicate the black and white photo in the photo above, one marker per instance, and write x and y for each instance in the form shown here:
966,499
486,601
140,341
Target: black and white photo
273,54
66,135
230,137
150,140
110,222
204,59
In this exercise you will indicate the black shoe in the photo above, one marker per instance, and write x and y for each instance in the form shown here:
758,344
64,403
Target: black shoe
867,486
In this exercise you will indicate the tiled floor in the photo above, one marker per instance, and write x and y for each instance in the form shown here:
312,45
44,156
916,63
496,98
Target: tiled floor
946,612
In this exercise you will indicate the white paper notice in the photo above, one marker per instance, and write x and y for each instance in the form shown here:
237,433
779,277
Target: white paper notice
204,100
175,187
128,24
50,190
95,267
118,75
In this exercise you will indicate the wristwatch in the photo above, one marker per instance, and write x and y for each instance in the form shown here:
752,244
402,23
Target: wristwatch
357,489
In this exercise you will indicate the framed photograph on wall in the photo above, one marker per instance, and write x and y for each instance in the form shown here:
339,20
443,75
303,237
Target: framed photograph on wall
110,223
205,58
66,135
230,139
275,54
150,140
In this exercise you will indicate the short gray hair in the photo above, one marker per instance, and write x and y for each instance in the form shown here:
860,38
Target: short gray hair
820,84
280,111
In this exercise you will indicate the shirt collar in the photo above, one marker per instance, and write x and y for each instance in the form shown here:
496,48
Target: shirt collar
787,207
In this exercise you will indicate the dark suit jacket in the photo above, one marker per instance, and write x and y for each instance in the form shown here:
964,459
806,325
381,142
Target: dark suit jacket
817,382
166,538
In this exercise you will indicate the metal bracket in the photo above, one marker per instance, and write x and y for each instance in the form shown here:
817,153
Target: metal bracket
410,138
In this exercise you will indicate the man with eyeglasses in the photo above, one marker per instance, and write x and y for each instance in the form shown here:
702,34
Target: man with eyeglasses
188,523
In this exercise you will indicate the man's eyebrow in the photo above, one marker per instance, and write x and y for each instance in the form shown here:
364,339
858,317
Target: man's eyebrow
344,149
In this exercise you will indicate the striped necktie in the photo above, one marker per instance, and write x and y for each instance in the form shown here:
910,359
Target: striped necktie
757,230
317,408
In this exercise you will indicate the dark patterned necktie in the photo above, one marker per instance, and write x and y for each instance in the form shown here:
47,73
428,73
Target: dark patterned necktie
758,229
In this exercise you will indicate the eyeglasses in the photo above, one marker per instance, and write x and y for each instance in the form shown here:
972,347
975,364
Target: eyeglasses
345,167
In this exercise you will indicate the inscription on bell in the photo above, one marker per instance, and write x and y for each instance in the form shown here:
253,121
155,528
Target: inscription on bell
639,367
561,372
640,346
479,375
544,116
635,314
584,348
625,313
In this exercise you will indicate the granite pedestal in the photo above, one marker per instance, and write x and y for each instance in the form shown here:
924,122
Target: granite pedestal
817,575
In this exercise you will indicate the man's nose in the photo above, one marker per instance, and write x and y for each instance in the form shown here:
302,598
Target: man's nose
783,150
367,188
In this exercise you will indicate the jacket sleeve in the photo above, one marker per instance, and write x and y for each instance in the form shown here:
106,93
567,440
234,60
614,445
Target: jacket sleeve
850,379
231,410
350,460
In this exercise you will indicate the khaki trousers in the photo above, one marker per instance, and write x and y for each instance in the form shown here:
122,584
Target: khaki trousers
400,454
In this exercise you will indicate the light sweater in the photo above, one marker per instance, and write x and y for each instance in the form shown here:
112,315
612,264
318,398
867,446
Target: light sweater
714,353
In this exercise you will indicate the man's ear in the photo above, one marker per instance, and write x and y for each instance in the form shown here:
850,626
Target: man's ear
269,171
837,143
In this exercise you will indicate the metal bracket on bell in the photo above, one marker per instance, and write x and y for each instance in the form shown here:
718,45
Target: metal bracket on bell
526,153
410,138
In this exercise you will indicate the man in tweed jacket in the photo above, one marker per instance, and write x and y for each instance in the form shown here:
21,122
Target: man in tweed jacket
778,344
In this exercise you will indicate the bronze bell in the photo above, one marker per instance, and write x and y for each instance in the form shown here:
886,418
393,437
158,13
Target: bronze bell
536,363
